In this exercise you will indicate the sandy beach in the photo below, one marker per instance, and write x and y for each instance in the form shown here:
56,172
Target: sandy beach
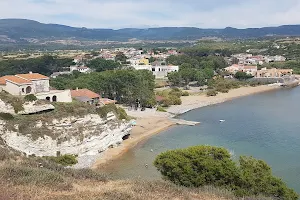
145,128
151,122
198,101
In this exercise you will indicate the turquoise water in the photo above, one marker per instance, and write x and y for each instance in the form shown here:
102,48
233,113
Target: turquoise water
266,126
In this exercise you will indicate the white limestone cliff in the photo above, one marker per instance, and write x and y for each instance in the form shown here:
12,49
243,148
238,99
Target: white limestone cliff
83,136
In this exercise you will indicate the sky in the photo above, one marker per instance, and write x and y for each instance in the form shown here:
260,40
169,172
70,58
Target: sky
155,13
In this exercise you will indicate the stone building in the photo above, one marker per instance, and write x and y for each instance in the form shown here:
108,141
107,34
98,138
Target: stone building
33,83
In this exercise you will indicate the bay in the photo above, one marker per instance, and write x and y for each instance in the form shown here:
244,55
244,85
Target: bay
265,126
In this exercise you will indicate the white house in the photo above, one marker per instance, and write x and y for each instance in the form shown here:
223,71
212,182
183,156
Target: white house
33,83
158,71
81,69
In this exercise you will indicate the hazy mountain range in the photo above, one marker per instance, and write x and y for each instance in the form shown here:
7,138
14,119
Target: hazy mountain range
22,31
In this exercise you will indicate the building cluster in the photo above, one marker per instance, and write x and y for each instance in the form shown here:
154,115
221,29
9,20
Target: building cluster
152,60
262,73
38,85
250,59
249,63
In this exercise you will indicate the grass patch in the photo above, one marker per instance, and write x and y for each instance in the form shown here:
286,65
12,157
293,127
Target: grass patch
20,175
64,160
6,116
74,108
119,112
80,174
161,109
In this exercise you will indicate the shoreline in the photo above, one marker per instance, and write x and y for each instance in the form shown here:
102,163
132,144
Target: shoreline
153,122
190,103
137,136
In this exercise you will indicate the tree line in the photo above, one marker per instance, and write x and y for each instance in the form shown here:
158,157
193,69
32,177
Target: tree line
45,65
194,67
125,86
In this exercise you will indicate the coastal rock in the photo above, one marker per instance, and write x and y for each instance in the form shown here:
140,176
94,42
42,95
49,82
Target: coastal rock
6,108
83,136
31,108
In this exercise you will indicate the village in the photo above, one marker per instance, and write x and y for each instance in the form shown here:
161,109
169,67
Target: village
154,60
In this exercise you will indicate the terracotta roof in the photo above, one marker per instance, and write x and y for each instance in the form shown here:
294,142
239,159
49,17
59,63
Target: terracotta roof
84,93
13,79
33,76
106,101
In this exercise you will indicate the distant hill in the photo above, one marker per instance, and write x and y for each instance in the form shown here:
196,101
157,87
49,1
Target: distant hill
28,31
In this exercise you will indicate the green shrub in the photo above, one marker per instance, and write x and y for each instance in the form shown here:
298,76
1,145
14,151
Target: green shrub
64,160
185,93
223,90
75,108
6,116
197,166
119,112
176,100
242,76
213,166
176,92
166,103
161,109
211,93
30,97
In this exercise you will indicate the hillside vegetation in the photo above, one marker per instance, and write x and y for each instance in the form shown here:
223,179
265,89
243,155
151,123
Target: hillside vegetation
41,179
17,29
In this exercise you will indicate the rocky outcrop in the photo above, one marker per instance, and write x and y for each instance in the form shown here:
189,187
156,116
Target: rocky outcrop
84,136
32,108
6,108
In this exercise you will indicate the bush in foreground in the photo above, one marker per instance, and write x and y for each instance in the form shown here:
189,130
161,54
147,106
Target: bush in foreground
205,165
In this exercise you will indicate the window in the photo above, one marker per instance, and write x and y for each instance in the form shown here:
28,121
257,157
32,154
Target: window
48,98
28,90
23,90
54,98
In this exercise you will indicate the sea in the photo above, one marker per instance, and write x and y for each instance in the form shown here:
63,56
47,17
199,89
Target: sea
265,126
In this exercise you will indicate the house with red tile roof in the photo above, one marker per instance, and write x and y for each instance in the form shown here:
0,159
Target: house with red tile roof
33,83
88,96
249,69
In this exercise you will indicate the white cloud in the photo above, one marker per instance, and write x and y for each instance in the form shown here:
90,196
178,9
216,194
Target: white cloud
140,13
